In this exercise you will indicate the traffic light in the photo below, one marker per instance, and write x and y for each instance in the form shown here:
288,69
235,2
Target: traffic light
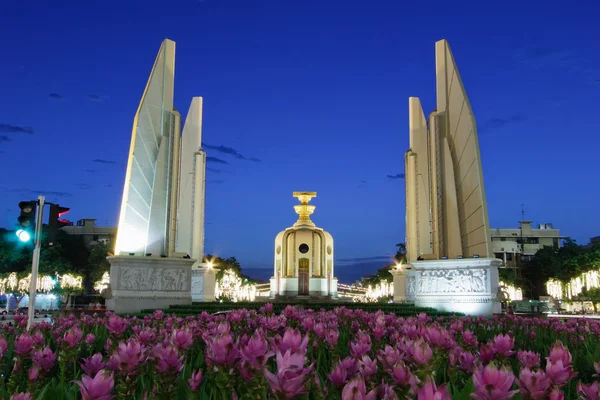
26,220
55,222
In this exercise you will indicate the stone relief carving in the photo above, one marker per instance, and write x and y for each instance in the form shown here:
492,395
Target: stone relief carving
452,281
143,278
412,286
197,284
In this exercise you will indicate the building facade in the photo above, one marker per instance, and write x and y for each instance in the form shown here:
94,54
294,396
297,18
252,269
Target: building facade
517,246
91,233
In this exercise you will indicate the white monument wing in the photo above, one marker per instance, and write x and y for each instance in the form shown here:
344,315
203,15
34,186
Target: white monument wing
143,218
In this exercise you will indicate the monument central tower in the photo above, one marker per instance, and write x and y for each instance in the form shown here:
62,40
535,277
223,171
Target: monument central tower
304,257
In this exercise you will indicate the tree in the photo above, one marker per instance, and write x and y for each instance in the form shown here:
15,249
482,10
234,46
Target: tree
400,256
384,274
97,262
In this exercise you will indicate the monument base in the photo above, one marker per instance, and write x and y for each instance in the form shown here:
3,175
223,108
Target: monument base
317,288
203,282
139,283
468,286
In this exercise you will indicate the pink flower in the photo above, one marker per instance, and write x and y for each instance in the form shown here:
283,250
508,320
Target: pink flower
556,394
429,391
356,390
588,392
529,359
291,378
503,344
182,338
421,352
255,352
293,340
492,383
92,365
128,357
21,396
44,359
339,375
469,339
89,339
558,352
33,374
158,315
72,337
23,344
116,325
195,380
221,351
367,367
401,374
167,360
487,352
332,337
558,373
533,384
98,388
3,346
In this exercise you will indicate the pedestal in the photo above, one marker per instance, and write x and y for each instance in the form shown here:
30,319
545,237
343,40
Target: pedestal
203,282
400,285
468,286
139,283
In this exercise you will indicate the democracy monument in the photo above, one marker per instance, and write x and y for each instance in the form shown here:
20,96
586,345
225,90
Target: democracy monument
451,265
304,257
160,237
160,241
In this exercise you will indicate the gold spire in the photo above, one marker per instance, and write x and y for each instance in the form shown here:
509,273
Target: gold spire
304,210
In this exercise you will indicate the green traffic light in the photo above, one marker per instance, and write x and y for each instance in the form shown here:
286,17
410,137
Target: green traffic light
23,236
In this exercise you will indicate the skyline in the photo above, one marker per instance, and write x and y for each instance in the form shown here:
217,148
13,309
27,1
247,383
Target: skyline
289,98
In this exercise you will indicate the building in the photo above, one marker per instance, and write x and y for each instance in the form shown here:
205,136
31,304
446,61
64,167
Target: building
506,243
91,233
595,241
303,256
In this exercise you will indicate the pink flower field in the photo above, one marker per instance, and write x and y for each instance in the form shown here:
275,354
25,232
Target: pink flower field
340,354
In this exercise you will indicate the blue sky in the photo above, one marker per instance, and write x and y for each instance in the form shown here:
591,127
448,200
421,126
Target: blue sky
318,92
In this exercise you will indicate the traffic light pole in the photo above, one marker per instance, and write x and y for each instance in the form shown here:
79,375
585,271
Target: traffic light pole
36,260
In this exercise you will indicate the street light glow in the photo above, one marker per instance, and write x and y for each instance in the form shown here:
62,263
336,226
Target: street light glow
23,235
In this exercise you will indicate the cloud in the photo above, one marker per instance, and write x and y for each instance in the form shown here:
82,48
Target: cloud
499,123
41,192
216,160
229,151
7,128
101,161
4,138
97,98
359,259
83,186
397,176
56,96
215,181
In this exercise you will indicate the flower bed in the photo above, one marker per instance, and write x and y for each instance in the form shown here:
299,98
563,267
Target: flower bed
403,310
339,354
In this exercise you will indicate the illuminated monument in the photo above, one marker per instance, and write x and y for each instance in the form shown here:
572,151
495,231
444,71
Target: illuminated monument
304,257
160,238
447,229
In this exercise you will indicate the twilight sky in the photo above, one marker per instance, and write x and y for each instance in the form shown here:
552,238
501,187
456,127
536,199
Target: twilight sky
303,95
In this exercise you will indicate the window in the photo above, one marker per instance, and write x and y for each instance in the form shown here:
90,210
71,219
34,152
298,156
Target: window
509,256
503,239
303,248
